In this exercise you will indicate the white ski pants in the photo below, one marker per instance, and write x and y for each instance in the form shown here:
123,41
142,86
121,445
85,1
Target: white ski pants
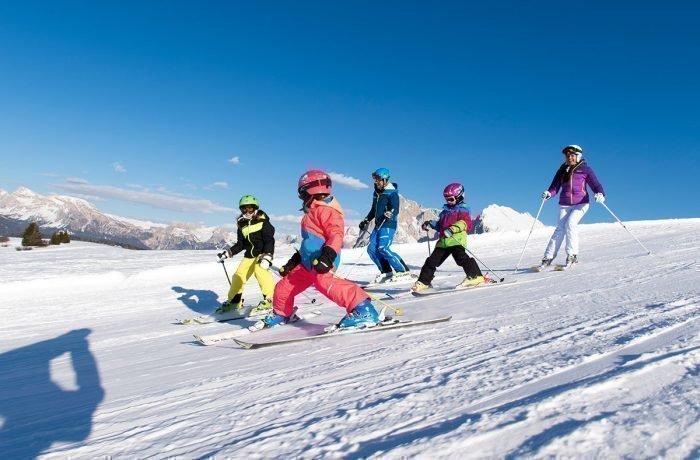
569,217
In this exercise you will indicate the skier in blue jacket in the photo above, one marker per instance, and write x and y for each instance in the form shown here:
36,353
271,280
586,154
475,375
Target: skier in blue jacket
384,213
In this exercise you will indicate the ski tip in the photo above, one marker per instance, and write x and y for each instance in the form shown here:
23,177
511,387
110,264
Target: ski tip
242,344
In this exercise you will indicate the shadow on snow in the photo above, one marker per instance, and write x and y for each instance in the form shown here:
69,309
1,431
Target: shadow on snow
201,301
36,411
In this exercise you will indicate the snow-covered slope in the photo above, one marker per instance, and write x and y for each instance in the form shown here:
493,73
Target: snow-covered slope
601,361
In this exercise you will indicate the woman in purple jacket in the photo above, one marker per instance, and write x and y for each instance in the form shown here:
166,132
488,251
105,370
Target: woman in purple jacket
572,178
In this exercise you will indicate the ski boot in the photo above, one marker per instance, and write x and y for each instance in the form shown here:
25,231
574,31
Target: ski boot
382,278
418,286
471,281
229,305
570,260
264,306
363,315
271,320
546,262
402,276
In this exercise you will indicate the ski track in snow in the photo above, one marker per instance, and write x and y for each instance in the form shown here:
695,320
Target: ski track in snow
599,361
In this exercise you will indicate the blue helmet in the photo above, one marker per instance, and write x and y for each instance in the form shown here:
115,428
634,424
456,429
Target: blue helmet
381,173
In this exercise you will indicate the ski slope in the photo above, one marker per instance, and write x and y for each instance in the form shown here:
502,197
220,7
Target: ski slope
599,361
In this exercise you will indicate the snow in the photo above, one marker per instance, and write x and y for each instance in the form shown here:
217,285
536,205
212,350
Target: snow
601,361
502,218
142,224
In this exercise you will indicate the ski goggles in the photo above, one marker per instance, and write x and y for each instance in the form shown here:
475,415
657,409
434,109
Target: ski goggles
304,191
571,151
450,199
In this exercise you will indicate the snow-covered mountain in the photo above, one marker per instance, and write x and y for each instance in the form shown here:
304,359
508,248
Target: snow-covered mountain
87,222
494,218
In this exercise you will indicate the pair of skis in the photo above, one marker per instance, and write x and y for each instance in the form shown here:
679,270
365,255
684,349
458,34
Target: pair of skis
333,331
233,315
460,288
556,268
248,339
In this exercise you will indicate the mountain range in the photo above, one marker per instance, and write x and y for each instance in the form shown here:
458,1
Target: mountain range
86,222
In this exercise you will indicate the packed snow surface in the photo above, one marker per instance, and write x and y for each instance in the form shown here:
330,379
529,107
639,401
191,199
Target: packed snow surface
599,361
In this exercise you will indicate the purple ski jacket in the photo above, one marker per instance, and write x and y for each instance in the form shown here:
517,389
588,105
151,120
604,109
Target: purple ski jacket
572,180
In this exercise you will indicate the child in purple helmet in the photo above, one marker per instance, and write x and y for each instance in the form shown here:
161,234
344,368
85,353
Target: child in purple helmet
452,226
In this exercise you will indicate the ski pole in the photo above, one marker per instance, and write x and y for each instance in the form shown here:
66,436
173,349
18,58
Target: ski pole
359,238
221,261
226,273
529,234
472,254
625,227
354,264
397,311
427,237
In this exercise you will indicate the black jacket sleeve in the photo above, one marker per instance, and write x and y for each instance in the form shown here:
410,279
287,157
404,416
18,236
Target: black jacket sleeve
238,247
268,236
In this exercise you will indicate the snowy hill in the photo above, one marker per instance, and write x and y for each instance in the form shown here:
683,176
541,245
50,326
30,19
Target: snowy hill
497,218
601,361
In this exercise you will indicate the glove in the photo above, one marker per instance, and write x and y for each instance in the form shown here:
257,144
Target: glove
289,266
546,195
324,263
454,229
426,225
265,261
225,254
363,225
389,214
599,198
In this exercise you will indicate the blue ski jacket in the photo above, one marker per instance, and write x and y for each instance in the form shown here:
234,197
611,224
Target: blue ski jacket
382,201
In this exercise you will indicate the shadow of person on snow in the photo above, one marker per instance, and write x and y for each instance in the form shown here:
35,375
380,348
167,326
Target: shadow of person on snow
35,411
198,300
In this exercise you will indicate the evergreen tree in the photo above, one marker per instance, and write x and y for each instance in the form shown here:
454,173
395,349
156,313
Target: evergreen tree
65,237
32,236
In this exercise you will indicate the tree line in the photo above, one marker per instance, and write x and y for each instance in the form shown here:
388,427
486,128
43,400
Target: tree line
32,237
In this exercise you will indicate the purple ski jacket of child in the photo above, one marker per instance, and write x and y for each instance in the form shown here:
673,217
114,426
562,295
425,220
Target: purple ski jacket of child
572,180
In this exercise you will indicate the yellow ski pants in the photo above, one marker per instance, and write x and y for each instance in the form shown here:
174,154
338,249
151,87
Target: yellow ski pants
245,270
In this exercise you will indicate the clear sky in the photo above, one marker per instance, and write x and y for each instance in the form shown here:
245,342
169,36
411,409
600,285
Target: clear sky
172,110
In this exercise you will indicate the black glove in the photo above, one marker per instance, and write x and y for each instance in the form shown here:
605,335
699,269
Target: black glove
289,266
426,225
324,263
225,254
364,224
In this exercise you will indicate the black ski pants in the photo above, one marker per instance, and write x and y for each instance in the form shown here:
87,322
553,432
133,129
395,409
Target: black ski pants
439,255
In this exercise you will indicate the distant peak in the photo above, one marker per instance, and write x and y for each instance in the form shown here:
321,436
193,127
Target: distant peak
24,191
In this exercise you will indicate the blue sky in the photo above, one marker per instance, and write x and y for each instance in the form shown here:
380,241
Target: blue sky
172,110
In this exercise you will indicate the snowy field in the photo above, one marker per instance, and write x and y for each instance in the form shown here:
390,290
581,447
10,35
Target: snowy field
602,361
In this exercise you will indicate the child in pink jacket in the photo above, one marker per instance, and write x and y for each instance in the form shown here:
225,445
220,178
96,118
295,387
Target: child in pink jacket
322,231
